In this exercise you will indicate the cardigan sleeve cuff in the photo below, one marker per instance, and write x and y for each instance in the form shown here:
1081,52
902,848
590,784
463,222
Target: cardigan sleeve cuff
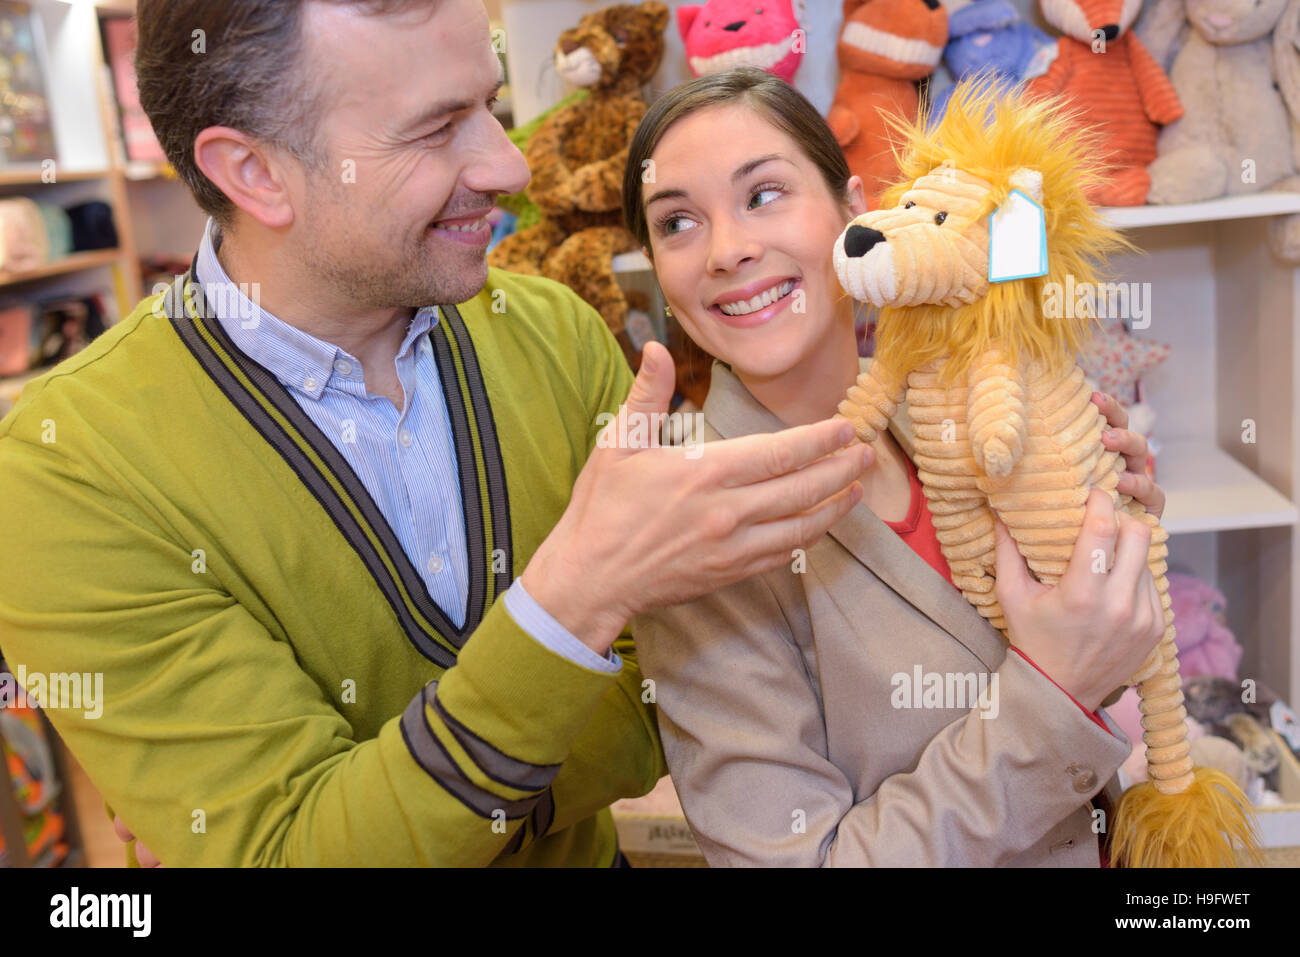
1091,714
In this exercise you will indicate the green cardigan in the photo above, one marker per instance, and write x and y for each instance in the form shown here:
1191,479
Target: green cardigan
279,689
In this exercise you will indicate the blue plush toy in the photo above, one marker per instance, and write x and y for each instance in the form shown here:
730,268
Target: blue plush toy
988,37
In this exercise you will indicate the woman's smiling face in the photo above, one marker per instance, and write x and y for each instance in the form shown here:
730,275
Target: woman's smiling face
742,225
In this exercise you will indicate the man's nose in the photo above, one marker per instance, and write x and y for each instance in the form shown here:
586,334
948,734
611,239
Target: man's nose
500,167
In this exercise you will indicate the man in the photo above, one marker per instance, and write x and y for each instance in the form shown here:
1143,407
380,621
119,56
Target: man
330,538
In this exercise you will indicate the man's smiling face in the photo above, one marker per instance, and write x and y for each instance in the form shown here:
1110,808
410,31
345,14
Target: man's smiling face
413,157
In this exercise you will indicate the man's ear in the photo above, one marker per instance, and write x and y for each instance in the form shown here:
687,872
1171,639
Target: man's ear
857,196
247,172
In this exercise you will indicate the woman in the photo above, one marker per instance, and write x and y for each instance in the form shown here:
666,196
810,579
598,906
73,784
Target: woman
854,709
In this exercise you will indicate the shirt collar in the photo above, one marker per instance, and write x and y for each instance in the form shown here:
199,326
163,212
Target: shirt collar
298,359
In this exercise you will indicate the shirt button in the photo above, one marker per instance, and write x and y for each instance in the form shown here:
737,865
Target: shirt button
309,384
404,437
435,564
1085,779
343,368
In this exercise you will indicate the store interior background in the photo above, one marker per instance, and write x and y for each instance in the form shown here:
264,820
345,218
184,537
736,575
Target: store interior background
1227,308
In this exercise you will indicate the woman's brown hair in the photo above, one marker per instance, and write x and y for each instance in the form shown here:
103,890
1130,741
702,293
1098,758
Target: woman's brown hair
784,107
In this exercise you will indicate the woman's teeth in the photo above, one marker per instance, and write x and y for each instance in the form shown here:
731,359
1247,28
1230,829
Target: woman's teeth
466,228
779,291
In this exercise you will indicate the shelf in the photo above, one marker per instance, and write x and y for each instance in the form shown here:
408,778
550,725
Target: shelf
141,170
68,264
1207,490
33,176
632,262
1125,217
1229,207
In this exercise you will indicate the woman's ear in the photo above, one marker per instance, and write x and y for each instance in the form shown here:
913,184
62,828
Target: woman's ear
857,196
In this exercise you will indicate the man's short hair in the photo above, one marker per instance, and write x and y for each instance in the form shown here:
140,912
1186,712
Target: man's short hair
235,63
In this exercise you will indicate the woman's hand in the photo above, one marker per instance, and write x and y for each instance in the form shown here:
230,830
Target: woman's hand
142,854
1094,629
1133,446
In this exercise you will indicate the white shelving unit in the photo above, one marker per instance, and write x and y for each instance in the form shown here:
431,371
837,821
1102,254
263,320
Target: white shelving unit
153,212
1218,297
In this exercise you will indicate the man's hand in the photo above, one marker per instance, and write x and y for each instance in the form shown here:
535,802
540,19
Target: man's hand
655,526
143,855
1096,627
1133,446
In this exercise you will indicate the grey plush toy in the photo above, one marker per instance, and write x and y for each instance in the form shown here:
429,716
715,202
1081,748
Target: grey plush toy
1236,135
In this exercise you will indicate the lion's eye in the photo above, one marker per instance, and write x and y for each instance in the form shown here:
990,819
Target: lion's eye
909,204
940,217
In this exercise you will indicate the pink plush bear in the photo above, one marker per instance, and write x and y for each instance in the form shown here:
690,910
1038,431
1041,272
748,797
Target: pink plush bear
725,34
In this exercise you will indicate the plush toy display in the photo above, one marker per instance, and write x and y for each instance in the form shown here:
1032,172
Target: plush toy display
989,213
577,158
1235,135
725,34
885,46
988,38
1284,231
1116,360
1123,93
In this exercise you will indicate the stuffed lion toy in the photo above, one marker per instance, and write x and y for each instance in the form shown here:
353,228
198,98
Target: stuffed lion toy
577,157
1001,412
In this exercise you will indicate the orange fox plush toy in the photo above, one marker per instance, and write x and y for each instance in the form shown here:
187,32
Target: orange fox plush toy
1117,86
885,47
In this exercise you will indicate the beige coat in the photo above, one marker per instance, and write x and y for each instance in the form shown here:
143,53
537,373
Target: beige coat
784,710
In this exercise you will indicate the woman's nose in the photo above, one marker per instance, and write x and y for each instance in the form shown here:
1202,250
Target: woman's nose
730,246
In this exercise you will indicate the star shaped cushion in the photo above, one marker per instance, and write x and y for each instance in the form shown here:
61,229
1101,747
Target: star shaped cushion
1115,360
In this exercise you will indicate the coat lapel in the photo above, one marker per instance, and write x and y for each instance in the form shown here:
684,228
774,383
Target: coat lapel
733,412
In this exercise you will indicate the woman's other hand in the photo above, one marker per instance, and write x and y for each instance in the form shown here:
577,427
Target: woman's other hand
142,854
1133,446
1094,629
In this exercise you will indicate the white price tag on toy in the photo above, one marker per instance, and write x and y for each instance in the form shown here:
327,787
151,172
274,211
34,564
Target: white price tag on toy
1017,239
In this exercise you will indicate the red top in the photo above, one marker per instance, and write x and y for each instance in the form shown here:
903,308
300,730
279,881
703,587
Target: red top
918,528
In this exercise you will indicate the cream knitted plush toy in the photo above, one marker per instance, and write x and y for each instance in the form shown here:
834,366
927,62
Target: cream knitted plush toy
1001,413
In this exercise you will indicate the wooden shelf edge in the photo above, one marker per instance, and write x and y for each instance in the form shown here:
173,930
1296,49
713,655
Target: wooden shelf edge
76,262
1252,206
35,176
139,171
1207,490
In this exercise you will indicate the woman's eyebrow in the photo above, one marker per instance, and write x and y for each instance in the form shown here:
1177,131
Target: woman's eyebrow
744,170
741,172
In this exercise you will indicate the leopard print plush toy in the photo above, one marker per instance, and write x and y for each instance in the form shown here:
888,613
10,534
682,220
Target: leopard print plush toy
578,154
1000,409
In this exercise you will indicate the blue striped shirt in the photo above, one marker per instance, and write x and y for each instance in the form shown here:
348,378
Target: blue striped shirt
404,458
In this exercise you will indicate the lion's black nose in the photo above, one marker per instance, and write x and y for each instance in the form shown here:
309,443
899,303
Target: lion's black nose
859,240
1110,31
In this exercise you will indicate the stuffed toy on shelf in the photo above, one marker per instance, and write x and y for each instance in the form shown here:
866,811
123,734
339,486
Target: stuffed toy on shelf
885,47
577,157
1115,85
988,216
988,38
1235,135
724,34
